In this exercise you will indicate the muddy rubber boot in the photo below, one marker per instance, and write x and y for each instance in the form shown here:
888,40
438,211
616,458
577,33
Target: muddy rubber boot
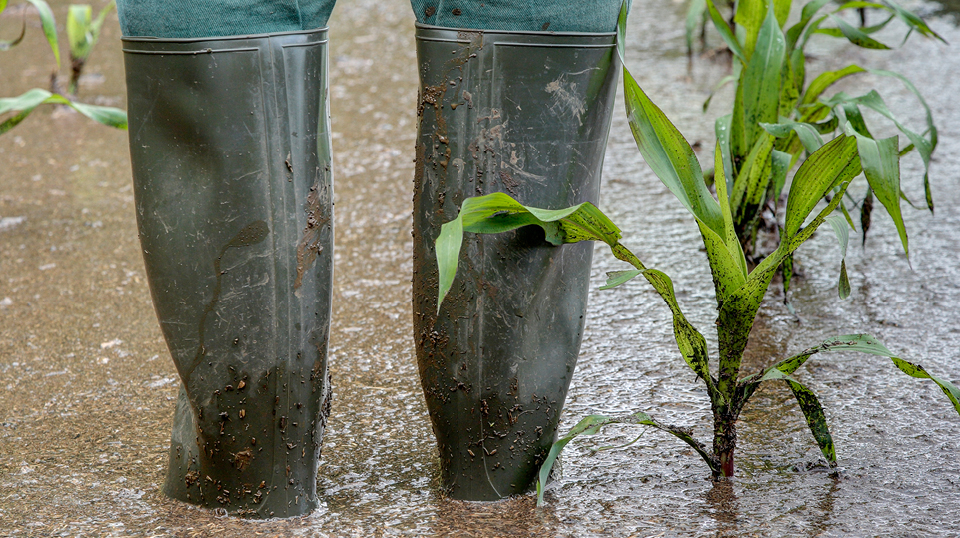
526,113
229,139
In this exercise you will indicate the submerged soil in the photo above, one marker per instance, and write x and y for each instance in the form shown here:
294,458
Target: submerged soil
87,387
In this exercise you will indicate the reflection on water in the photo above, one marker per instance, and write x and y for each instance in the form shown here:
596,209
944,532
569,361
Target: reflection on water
724,508
88,387
511,517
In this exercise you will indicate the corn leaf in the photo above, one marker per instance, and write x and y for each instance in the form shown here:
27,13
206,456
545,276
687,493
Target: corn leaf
858,37
912,21
673,160
863,343
723,82
724,30
833,165
49,25
592,424
837,32
758,170
924,147
807,133
722,130
728,265
753,177
823,170
915,370
9,44
791,82
816,420
669,155
749,16
881,165
622,31
873,101
761,85
854,119
83,31
616,278
731,240
589,425
498,212
825,80
79,35
692,344
809,10
695,14
840,229
781,9
780,164
24,104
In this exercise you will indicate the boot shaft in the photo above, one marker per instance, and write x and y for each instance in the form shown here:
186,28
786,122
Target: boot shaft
229,140
526,113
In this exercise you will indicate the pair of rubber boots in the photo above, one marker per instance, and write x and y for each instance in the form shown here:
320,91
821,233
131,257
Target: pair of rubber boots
230,145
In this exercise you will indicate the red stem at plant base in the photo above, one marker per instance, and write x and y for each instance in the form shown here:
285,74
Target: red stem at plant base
724,441
726,463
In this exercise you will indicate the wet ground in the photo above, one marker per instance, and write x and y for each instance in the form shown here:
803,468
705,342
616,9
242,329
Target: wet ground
87,387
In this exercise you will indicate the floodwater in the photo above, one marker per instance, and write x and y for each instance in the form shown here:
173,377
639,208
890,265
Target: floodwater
87,387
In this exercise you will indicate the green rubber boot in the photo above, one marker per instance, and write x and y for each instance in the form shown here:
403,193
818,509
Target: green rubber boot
526,113
229,139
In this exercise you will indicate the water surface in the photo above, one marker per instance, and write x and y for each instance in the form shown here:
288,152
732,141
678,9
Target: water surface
88,387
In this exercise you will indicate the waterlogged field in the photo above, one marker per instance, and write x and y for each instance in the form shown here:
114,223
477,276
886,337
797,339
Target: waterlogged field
87,388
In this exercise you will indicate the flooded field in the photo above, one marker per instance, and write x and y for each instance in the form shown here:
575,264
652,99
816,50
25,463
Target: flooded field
87,387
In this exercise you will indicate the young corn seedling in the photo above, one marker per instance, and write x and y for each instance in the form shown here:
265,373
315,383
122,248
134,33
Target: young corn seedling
739,291
779,114
18,108
83,32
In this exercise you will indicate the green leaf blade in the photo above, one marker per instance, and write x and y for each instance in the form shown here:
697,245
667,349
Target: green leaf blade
761,80
49,25
498,213
858,37
592,424
816,420
864,343
692,344
617,278
881,166
915,370
695,13
842,231
669,155
448,255
808,135
589,425
835,162
724,30
913,21
809,10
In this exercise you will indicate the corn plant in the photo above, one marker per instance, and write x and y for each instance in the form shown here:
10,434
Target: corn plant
18,108
777,115
739,291
83,32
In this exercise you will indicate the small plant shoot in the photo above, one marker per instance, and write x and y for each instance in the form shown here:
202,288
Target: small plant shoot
827,170
83,32
16,109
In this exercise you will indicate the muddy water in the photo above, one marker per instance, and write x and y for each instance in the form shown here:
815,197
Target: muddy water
87,387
